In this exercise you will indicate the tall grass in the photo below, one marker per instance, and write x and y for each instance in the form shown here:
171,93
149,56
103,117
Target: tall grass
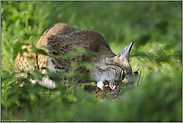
157,53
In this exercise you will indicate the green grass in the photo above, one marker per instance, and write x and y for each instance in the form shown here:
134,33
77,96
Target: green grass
156,96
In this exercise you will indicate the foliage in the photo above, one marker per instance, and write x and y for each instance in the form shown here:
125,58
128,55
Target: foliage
156,96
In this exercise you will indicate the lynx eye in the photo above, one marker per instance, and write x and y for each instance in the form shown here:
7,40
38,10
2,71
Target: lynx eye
122,75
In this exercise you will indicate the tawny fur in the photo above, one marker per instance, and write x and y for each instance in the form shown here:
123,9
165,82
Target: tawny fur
60,39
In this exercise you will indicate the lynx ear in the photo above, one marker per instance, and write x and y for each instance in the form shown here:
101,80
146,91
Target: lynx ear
123,58
126,52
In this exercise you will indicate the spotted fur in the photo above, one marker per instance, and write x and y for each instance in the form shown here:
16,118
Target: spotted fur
59,40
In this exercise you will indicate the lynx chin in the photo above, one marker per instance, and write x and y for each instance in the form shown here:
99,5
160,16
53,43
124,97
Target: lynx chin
59,40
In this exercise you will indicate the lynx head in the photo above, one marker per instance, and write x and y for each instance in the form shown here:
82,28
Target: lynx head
123,60
116,70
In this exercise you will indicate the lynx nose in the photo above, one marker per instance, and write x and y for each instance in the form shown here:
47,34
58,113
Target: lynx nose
136,73
135,76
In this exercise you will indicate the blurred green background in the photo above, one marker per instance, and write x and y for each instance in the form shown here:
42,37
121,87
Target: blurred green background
157,53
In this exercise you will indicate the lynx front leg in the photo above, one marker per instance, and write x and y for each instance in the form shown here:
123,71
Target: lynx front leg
46,82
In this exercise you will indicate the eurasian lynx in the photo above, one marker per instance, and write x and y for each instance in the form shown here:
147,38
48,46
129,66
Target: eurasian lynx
60,39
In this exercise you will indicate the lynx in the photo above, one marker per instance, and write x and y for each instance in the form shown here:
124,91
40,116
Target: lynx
60,39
